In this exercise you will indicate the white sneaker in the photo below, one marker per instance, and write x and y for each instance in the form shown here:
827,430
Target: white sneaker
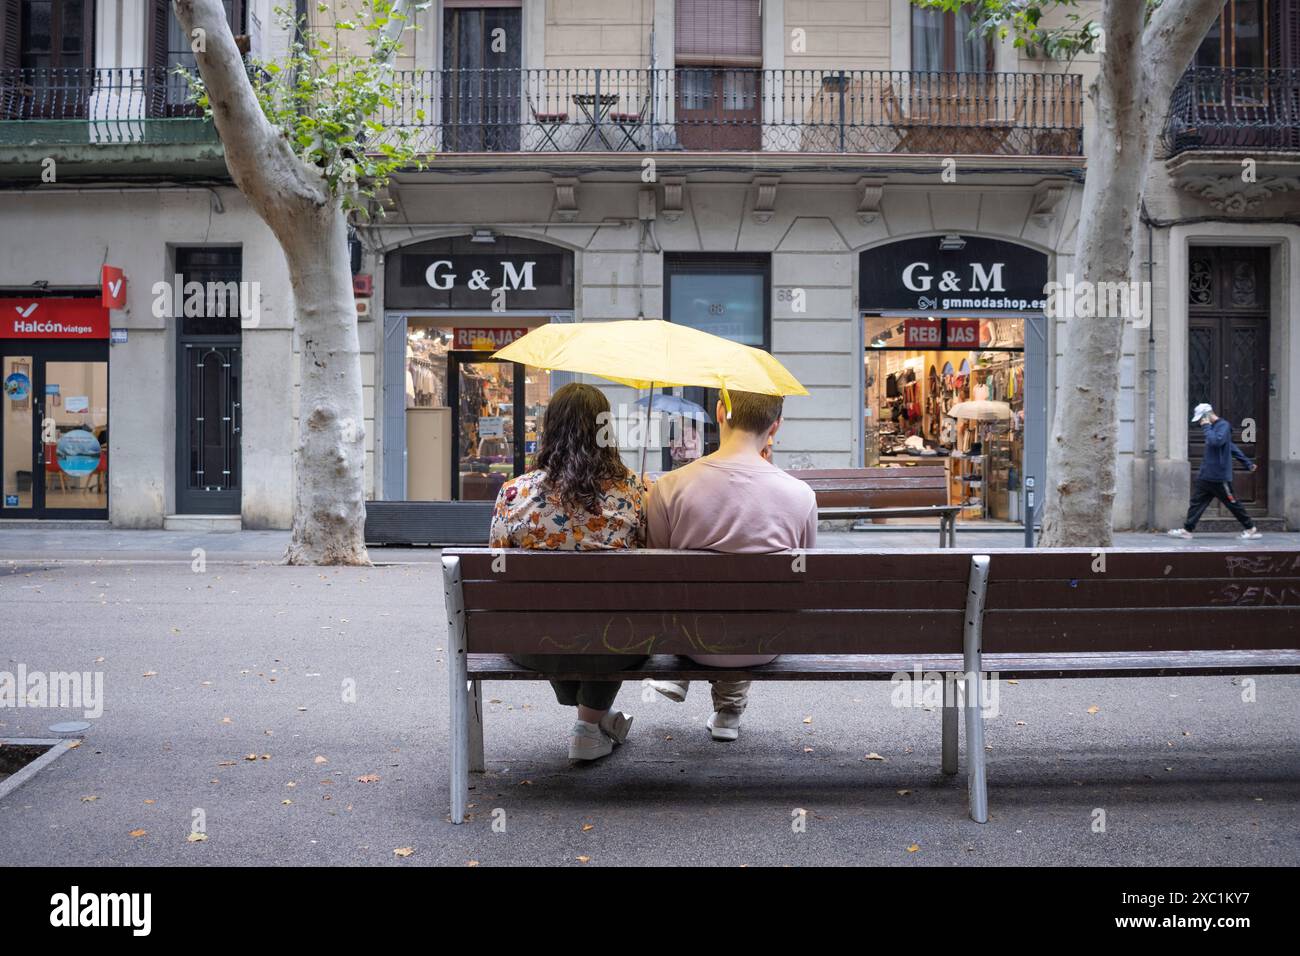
616,724
1180,533
589,742
724,725
674,690
1250,534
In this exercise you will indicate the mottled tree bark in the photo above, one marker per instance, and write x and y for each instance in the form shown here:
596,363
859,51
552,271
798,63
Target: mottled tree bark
1132,92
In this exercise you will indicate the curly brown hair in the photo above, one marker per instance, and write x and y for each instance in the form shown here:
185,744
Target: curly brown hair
578,465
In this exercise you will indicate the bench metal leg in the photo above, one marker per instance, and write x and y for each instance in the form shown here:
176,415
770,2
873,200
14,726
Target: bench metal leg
457,689
952,531
943,531
475,728
949,724
976,777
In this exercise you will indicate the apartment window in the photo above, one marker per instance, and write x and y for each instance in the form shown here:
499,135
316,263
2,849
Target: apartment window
46,34
942,43
481,82
718,47
169,48
1237,39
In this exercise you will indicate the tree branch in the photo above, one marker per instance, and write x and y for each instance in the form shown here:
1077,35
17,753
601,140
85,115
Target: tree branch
259,159
1170,40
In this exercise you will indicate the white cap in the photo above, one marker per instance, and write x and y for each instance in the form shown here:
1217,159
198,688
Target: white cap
1200,411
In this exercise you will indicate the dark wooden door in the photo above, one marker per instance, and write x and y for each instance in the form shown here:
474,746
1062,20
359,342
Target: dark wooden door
1228,357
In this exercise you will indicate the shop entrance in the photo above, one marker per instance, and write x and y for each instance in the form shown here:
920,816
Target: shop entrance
54,429
487,429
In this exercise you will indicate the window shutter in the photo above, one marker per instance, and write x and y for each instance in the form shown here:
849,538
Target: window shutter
159,14
10,55
719,33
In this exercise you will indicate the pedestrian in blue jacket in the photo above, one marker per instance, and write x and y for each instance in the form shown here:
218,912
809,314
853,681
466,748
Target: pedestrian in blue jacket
1214,480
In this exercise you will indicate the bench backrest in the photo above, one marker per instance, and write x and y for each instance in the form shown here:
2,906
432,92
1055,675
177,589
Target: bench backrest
903,602
878,487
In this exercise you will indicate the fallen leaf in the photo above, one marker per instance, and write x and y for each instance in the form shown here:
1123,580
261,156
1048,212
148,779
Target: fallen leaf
89,799
588,826
226,763
151,802
138,833
472,863
197,838
808,719
368,778
250,756
320,760
583,859
149,674
902,793
226,720
1093,709
286,803
1013,682
404,851
913,848
807,750
873,756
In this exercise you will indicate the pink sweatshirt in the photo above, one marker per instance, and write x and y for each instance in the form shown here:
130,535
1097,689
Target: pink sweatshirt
737,506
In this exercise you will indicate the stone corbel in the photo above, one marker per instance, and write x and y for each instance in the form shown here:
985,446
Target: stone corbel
1047,197
566,198
674,197
765,201
870,191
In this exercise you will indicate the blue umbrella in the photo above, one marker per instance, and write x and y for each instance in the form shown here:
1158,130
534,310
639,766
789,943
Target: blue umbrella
672,405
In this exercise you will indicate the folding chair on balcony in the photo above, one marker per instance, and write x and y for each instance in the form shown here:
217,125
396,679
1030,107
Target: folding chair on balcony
629,125
549,124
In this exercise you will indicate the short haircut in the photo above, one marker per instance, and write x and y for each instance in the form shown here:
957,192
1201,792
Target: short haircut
754,413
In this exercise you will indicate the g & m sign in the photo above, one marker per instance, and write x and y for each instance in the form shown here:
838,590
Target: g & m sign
504,275
984,275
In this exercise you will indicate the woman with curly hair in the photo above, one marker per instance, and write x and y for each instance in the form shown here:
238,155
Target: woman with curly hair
581,497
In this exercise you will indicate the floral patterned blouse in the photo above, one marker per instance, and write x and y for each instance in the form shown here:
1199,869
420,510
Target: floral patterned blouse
527,516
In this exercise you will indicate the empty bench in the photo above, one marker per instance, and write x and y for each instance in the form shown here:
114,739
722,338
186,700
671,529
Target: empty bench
919,491
853,615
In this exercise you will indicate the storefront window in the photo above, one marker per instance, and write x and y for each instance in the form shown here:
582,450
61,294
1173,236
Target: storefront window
929,399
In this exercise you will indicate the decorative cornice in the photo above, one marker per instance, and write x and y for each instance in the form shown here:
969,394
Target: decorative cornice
765,200
1231,194
566,197
674,196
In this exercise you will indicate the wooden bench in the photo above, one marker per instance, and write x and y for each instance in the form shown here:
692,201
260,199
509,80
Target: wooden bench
854,615
919,491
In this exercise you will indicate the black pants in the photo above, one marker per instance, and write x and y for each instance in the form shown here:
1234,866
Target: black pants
596,694
1203,492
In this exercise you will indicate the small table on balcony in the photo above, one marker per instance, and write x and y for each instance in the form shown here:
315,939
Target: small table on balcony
596,110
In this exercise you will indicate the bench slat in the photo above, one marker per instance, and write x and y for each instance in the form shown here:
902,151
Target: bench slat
1102,591
1160,565
551,596
883,666
727,632
1141,629
647,565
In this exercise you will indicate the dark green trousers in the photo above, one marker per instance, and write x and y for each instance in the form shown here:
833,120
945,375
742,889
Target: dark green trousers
596,694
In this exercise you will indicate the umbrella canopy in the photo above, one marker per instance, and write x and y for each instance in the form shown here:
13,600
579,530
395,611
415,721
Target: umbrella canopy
673,405
981,410
642,353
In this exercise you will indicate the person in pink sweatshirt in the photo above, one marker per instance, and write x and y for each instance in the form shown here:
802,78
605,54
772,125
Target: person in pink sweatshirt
736,501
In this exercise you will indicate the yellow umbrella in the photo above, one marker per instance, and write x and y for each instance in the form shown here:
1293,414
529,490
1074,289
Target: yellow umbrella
643,353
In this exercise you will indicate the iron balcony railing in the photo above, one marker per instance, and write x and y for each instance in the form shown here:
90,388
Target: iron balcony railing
119,105
1215,108
814,111
590,109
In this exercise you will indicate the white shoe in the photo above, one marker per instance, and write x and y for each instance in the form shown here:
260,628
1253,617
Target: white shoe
589,742
723,725
1250,534
672,689
1180,533
616,724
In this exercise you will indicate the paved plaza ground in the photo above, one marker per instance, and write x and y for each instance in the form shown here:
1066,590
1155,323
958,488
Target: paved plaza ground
247,659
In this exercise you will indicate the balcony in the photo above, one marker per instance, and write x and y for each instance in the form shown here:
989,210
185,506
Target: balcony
108,107
741,110
1226,109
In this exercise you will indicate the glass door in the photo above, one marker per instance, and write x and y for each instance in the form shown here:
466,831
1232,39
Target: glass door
487,433
54,432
